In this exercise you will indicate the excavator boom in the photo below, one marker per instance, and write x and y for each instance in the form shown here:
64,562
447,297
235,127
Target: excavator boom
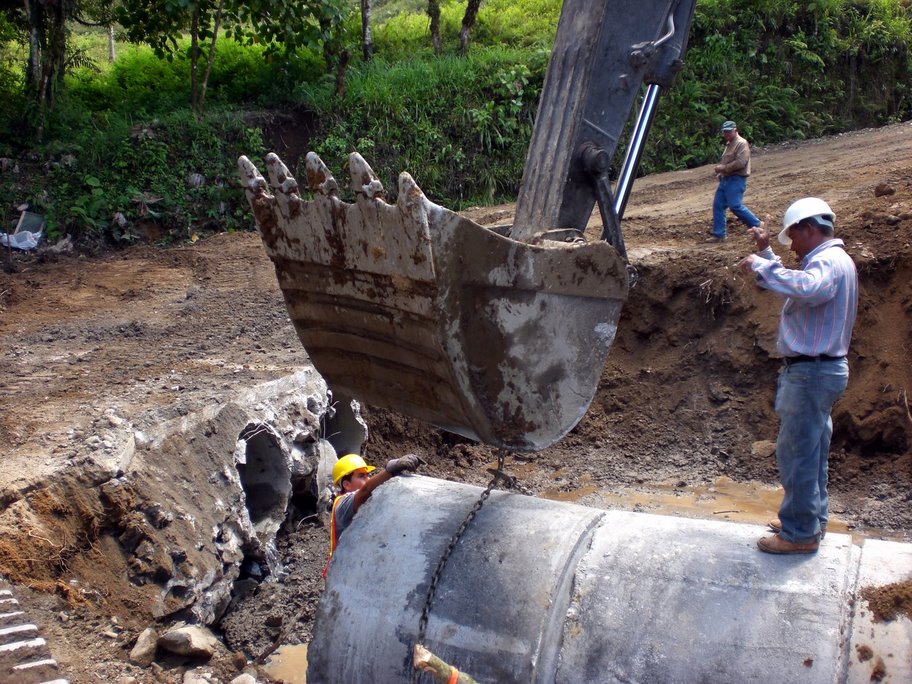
498,336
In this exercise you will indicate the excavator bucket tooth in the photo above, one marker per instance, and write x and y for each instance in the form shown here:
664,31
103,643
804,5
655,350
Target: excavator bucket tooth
319,179
417,309
364,181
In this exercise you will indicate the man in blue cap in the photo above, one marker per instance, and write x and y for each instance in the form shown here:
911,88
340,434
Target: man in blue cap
733,169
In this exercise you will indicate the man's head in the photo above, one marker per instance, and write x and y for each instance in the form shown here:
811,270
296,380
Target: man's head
807,223
729,130
351,472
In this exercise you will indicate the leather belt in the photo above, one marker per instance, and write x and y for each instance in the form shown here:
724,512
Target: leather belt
803,358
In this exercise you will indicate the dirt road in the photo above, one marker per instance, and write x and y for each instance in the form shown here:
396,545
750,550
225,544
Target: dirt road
684,407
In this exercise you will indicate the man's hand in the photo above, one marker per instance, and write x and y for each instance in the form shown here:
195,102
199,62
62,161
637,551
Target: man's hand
399,465
760,236
718,168
745,264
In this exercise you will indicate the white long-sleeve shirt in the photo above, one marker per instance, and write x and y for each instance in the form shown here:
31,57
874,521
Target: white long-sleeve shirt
821,299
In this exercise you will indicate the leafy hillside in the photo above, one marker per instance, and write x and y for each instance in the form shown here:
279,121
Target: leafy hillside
122,157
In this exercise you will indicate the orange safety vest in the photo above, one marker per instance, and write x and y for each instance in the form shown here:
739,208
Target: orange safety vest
333,537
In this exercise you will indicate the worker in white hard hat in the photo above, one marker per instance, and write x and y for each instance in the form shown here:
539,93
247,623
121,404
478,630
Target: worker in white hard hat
353,479
732,170
815,327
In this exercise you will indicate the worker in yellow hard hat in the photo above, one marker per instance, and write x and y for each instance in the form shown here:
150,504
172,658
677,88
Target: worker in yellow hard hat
353,479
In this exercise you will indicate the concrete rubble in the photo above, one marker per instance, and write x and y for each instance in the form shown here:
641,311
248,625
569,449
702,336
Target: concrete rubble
181,535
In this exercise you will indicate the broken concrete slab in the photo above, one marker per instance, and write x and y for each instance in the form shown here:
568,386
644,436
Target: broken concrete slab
177,511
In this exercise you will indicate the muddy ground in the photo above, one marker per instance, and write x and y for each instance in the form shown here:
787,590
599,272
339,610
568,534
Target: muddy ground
683,415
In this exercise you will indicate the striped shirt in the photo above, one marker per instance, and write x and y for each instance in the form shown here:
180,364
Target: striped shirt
820,300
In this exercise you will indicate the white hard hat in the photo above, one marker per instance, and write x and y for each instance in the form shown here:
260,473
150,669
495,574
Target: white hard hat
808,207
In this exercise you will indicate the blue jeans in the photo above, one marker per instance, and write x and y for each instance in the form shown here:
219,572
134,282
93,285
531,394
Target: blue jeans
729,195
804,399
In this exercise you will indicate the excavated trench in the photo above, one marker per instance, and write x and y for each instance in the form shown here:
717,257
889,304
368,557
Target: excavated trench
215,517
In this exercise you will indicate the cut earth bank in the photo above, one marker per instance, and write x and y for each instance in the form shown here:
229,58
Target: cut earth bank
129,378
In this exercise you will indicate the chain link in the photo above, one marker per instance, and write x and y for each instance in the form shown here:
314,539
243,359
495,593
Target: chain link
498,475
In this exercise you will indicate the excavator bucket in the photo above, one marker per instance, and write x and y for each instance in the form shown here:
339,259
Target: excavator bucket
415,308
498,337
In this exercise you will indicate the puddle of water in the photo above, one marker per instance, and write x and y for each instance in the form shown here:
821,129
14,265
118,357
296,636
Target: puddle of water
724,499
573,496
289,664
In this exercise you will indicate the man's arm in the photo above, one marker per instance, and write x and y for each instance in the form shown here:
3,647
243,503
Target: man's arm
815,284
393,468
368,488
764,255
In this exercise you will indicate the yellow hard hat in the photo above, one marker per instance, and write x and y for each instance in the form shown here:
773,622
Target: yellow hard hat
347,465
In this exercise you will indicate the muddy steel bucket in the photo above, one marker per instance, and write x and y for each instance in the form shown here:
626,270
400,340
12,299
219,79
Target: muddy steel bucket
542,591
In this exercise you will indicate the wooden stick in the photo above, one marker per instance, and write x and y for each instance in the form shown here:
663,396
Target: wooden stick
441,671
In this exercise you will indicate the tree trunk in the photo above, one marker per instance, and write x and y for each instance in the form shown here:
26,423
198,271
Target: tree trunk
468,22
329,46
341,69
194,58
47,55
434,13
112,53
367,42
215,31
36,39
56,51
35,71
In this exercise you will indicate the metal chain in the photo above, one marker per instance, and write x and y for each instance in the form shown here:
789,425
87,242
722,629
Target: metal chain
497,476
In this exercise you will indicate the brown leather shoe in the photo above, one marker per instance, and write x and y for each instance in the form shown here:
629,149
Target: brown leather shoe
776,526
777,544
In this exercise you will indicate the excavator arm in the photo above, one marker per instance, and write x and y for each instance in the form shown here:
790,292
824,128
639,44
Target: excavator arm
603,54
498,337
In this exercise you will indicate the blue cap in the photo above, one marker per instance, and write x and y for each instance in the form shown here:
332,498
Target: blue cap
729,126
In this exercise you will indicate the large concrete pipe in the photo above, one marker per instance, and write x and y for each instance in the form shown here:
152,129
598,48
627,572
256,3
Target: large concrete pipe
541,591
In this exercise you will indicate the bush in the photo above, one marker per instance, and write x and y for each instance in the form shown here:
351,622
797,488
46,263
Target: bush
144,85
463,148
142,169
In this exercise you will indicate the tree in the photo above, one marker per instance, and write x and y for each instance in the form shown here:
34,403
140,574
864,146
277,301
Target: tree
47,34
367,42
43,25
161,23
468,22
434,14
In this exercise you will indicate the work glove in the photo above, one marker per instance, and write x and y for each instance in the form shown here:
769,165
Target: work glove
400,465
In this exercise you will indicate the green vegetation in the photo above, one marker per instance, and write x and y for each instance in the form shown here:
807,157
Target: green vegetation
469,145
122,137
